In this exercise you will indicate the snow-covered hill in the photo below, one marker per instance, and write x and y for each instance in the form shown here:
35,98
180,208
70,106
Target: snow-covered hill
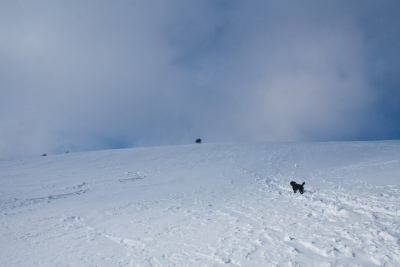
204,205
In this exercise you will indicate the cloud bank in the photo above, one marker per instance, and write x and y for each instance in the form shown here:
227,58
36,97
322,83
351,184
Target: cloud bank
87,75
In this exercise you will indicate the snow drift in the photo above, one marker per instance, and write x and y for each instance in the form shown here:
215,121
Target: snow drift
204,205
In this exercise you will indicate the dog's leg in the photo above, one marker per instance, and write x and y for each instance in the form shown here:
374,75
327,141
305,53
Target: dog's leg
301,189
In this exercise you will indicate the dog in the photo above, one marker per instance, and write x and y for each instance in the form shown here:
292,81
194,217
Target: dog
297,186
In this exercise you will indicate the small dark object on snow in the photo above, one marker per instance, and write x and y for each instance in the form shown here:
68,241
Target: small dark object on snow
198,141
297,186
44,155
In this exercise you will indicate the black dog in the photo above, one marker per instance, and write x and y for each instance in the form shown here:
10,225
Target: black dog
297,186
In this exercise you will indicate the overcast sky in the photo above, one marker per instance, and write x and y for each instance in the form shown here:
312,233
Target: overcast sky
86,75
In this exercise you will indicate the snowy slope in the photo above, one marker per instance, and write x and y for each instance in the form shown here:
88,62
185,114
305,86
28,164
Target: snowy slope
204,205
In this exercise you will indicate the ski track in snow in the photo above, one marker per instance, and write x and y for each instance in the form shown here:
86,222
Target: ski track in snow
208,205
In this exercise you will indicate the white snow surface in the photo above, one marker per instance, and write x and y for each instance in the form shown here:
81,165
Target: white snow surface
204,205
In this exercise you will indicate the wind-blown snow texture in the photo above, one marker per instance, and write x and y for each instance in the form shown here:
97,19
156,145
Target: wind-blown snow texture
204,205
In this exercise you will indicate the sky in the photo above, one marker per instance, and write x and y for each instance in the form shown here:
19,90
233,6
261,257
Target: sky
88,75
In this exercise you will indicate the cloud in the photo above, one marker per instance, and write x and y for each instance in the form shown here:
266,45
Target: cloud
311,80
95,75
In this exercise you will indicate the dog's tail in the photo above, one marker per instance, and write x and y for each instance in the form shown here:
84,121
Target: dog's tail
303,183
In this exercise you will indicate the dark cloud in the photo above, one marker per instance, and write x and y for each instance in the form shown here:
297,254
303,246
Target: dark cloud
84,75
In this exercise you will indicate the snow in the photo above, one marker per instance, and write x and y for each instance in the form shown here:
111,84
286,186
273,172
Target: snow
204,205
